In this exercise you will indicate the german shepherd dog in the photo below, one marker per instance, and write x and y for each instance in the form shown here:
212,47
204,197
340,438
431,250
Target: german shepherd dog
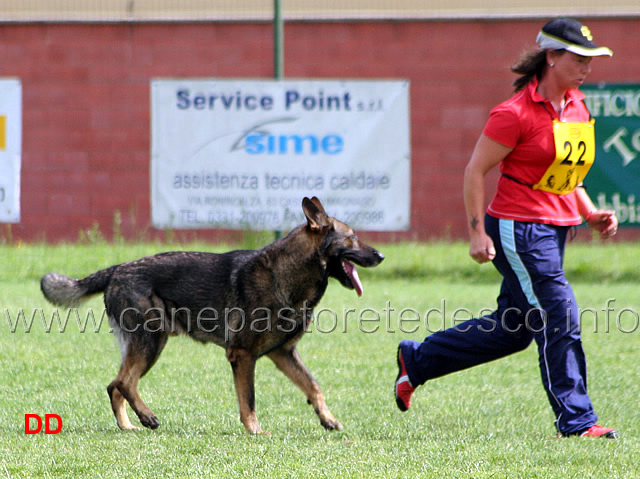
253,303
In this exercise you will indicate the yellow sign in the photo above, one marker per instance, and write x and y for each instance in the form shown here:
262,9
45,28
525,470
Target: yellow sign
3,132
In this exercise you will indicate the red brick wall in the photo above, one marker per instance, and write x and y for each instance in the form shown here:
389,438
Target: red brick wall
86,111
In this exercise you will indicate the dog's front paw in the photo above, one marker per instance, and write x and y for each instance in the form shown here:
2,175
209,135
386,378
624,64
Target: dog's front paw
252,425
331,424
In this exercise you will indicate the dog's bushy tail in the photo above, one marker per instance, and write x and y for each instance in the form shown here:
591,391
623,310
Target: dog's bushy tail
62,290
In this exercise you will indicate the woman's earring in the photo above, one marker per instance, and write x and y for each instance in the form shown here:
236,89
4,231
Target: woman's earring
551,65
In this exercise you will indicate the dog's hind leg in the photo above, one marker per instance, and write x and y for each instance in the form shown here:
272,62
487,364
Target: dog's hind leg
290,363
138,357
141,346
243,365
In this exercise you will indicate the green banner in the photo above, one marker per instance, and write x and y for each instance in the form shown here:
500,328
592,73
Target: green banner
614,180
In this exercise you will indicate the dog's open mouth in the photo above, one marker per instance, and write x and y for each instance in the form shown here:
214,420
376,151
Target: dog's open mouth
352,273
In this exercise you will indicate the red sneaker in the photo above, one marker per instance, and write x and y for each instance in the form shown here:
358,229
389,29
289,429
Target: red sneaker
595,431
599,431
403,388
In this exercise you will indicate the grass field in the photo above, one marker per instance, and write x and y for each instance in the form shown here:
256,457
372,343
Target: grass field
493,421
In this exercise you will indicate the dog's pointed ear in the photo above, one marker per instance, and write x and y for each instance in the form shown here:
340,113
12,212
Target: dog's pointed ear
316,202
316,216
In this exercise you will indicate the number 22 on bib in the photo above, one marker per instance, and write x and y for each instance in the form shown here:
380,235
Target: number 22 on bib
575,153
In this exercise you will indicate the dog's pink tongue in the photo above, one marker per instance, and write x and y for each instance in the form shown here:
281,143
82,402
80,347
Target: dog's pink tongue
352,272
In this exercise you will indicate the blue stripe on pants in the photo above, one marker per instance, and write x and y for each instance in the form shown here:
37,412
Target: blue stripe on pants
535,302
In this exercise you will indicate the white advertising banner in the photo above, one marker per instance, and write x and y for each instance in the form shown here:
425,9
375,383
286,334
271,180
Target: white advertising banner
10,149
241,154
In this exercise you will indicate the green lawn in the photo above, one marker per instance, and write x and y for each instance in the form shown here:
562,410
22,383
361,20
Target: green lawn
492,421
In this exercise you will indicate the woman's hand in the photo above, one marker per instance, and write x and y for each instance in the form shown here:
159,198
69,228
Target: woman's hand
604,221
481,248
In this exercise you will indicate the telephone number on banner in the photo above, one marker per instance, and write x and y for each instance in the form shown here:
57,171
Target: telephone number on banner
363,217
251,219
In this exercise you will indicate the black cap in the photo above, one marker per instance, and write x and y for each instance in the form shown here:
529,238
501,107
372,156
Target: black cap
571,35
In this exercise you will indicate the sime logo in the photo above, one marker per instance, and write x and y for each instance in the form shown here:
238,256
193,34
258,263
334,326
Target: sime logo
38,424
257,140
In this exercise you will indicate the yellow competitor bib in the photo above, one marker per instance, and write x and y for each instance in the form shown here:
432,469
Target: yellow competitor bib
575,152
